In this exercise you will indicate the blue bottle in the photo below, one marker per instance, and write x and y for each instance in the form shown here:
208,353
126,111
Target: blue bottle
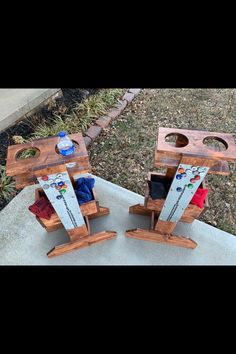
65,145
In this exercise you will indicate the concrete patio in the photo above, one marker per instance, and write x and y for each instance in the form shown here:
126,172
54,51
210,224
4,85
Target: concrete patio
23,241
15,103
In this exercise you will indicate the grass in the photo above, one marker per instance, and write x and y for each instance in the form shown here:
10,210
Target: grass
7,185
124,153
81,116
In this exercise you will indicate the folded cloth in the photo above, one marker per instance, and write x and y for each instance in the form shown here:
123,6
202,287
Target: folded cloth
83,189
42,208
159,188
199,197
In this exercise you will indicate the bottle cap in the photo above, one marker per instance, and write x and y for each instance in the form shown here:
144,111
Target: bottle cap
62,134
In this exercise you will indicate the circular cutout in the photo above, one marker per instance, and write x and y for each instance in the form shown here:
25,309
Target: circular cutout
214,143
27,153
76,146
176,140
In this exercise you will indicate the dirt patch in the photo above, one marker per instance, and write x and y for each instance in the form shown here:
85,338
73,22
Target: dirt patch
124,153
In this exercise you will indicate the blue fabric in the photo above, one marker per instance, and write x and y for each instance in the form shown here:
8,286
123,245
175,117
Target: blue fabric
83,189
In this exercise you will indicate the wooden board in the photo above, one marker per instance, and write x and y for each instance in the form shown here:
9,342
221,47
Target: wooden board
47,156
154,236
195,146
83,242
164,160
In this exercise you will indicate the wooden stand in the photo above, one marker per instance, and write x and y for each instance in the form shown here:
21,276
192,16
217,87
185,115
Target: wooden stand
57,175
187,161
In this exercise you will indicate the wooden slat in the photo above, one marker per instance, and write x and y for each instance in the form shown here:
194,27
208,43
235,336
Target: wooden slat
51,225
84,242
153,236
163,160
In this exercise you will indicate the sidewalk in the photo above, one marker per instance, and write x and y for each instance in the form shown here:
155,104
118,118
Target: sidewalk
23,241
15,103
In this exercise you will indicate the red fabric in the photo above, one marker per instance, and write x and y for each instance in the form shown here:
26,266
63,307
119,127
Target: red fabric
199,197
42,208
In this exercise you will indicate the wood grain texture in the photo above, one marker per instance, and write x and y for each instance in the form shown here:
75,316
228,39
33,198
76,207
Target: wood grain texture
195,146
84,242
170,154
154,236
165,227
77,233
163,160
47,157
102,211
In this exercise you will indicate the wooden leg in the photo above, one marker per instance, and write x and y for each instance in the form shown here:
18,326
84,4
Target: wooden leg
152,221
154,236
83,242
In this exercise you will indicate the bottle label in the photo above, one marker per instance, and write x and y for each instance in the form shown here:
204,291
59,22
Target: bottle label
71,164
67,152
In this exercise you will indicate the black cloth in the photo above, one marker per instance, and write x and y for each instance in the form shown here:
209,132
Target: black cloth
159,188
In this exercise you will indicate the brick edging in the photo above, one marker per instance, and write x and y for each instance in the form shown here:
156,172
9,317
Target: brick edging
101,123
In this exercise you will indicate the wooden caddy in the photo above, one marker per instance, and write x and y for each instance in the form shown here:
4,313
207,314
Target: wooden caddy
189,155
51,169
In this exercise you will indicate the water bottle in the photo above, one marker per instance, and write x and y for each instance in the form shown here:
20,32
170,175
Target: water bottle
65,145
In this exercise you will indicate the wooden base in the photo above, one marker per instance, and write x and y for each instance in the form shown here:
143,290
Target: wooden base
155,236
83,242
80,237
55,223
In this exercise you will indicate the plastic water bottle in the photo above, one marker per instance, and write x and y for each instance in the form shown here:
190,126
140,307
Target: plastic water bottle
65,145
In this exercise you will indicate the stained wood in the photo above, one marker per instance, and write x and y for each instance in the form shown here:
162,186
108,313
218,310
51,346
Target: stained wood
152,221
86,219
24,180
163,160
47,157
102,211
154,236
84,242
89,208
170,173
51,225
77,233
165,227
195,146
139,209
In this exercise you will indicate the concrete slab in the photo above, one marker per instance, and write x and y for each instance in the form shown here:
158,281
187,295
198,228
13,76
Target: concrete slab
15,103
24,242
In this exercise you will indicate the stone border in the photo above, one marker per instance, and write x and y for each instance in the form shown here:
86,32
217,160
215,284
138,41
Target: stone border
93,132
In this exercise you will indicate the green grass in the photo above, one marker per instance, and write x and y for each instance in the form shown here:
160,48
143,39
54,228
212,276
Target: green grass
26,154
82,115
7,185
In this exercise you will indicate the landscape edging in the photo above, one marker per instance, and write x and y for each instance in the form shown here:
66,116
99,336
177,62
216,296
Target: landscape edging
102,122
